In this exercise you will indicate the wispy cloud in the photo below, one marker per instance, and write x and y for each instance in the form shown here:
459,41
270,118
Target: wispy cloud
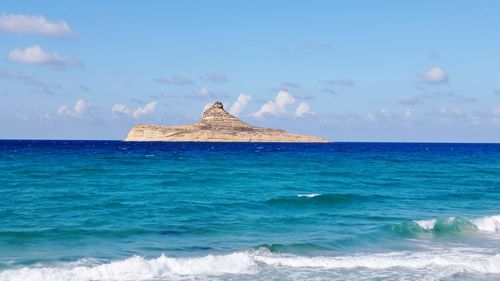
217,77
381,114
205,93
36,55
34,24
202,93
495,111
425,94
456,116
329,91
451,112
33,83
408,100
281,50
317,47
466,98
437,94
276,106
84,88
240,103
339,82
432,55
304,96
176,80
287,86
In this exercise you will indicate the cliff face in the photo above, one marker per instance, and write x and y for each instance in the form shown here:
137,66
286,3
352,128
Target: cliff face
217,125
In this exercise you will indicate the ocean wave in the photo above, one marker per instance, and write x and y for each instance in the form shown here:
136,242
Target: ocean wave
252,263
136,268
293,248
320,199
490,224
462,260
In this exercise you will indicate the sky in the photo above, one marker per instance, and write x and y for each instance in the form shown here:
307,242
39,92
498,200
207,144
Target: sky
423,71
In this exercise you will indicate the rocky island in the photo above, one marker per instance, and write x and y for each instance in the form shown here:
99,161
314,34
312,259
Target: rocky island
217,125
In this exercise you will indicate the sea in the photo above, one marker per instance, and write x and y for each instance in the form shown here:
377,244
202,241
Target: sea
113,210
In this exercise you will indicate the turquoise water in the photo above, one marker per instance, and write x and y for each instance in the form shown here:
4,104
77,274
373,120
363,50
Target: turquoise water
82,210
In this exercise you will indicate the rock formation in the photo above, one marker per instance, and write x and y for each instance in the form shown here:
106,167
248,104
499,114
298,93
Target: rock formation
217,125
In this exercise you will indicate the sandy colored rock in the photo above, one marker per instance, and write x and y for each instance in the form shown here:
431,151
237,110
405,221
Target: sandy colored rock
217,125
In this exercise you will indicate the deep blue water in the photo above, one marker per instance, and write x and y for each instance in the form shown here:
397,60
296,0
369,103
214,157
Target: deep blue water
112,210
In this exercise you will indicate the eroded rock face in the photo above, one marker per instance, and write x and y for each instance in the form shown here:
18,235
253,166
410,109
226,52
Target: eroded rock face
217,125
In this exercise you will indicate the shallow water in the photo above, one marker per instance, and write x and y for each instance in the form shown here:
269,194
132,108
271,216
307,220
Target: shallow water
82,210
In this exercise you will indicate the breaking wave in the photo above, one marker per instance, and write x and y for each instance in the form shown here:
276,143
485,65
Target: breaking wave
490,224
262,262
136,268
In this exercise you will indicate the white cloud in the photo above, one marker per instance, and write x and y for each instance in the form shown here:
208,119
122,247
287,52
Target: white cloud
147,109
34,24
119,109
302,109
408,114
435,75
451,112
239,104
36,55
384,112
203,92
380,115
78,110
276,107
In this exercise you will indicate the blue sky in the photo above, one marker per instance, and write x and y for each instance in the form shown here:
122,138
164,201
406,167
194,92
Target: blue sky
344,70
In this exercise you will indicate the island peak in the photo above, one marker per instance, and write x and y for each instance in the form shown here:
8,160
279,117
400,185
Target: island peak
216,125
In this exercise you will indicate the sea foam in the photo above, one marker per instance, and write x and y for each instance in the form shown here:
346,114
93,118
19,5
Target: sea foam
251,263
136,268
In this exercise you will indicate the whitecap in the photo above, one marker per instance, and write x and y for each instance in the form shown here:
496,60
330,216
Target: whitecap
485,224
426,224
488,224
310,195
449,261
